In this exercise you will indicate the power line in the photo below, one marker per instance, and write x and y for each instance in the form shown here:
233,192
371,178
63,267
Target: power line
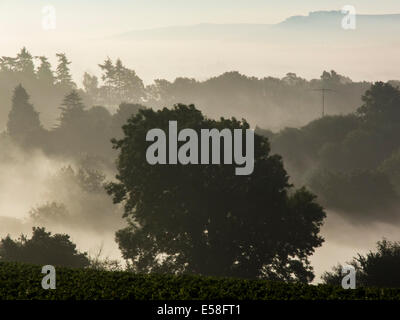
323,90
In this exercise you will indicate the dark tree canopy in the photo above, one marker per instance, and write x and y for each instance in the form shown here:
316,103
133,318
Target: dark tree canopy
350,161
375,269
204,219
359,193
23,121
43,249
381,102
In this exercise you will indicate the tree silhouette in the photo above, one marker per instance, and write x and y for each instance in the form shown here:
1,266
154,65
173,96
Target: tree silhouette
43,249
120,83
90,85
381,103
24,63
129,87
23,121
72,109
44,72
108,78
204,219
121,116
63,74
8,64
375,269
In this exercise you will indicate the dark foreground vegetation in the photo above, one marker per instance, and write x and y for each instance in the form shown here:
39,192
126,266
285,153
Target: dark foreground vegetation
22,281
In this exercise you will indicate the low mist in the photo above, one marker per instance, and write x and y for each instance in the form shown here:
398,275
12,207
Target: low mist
37,190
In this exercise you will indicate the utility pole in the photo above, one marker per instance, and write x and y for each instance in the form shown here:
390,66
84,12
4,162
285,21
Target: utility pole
323,90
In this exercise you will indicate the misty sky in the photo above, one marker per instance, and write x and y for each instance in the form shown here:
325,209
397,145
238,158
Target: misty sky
89,17
82,26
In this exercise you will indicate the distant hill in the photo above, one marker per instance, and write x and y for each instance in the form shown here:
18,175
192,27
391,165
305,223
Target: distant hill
316,23
333,19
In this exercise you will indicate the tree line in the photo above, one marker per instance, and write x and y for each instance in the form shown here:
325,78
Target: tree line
350,161
80,130
268,102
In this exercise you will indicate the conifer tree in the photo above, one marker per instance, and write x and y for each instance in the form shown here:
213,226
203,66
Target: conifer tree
63,74
44,72
121,83
72,109
23,121
24,63
109,72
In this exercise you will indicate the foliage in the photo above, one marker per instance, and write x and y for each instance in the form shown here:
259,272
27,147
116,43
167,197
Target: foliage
358,192
249,226
63,74
46,87
375,269
121,84
24,63
97,262
350,161
43,249
20,281
23,121
381,103
391,168
265,101
44,72
72,109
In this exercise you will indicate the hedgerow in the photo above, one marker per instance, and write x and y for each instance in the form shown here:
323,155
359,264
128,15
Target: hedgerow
21,281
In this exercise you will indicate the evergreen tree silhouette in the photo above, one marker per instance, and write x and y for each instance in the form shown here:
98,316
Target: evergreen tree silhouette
72,109
44,72
63,74
24,63
23,121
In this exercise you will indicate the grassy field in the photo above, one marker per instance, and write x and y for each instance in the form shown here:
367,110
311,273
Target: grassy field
19,281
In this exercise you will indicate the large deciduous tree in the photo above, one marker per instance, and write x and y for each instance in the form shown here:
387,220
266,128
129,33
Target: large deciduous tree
381,103
204,219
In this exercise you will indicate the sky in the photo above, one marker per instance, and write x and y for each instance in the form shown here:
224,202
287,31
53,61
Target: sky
90,17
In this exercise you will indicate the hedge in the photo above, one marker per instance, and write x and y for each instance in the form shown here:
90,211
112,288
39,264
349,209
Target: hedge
22,282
